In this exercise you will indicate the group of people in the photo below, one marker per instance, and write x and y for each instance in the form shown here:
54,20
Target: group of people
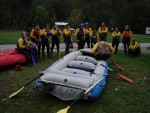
98,38
130,46
30,42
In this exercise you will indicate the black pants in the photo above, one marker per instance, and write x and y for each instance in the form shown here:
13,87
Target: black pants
102,37
55,41
115,44
134,52
45,42
67,42
87,40
27,52
93,42
80,43
126,43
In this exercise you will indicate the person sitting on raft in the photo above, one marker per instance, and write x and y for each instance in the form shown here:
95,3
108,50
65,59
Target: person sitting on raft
102,50
134,48
24,48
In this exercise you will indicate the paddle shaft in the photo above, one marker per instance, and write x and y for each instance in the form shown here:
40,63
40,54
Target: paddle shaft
33,80
122,76
117,65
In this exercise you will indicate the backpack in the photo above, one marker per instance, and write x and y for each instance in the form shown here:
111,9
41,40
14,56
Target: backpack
103,50
80,34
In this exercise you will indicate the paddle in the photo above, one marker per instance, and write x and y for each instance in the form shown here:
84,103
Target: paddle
122,76
15,93
88,90
119,67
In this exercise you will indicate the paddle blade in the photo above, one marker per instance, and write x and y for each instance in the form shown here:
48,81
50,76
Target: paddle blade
119,66
64,110
14,94
125,78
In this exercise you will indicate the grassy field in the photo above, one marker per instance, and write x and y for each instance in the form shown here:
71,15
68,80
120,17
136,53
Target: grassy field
118,95
11,37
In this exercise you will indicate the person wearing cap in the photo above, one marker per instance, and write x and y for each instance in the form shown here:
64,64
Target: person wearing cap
116,39
46,33
102,50
56,32
134,48
67,38
103,30
127,35
80,36
88,34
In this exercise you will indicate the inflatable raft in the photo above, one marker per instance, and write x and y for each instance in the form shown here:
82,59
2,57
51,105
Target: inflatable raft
11,57
69,77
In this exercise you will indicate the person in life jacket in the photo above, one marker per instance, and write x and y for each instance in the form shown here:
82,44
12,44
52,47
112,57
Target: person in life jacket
33,48
94,38
24,48
56,32
80,36
88,34
102,50
67,38
46,33
127,34
35,35
116,39
134,48
103,30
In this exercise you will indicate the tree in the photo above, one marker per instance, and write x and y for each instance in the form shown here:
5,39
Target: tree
42,16
76,17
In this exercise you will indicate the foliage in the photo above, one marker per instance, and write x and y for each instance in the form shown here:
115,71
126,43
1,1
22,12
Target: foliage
42,16
23,13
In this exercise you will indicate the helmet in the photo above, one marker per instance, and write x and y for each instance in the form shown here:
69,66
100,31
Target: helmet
49,33
86,24
81,25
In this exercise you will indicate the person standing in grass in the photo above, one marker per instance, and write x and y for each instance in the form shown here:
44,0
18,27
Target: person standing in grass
103,30
46,33
80,36
36,37
127,34
88,34
116,39
102,50
94,38
56,32
134,48
67,38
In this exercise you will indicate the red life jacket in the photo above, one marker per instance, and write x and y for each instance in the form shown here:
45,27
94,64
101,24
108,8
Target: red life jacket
127,34
36,34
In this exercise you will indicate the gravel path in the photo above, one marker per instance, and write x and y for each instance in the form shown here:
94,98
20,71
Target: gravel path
144,47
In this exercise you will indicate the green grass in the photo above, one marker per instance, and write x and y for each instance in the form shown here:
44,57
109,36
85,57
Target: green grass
118,95
11,37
